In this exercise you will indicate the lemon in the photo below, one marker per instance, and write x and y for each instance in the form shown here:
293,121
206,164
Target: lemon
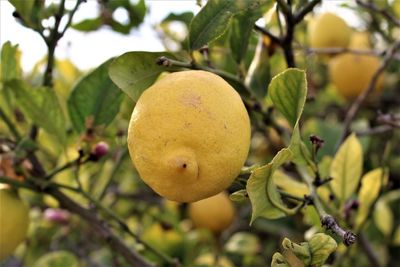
208,260
360,40
216,213
351,73
14,221
189,135
328,30
167,240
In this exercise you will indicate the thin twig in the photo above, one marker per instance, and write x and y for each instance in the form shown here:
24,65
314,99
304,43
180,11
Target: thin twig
384,12
267,33
351,113
369,251
376,130
305,10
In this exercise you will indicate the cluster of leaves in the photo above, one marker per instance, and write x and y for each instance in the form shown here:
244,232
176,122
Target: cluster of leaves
288,185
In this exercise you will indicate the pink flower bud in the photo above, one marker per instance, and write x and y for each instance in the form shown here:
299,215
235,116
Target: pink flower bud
57,215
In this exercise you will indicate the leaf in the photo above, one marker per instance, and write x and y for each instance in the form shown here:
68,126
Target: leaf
95,96
314,252
214,18
288,91
57,258
278,260
239,195
24,8
301,153
289,185
259,74
10,67
242,27
88,25
41,106
396,237
263,194
185,17
134,72
371,184
346,168
321,246
383,217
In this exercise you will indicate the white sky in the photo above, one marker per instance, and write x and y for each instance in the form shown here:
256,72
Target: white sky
88,50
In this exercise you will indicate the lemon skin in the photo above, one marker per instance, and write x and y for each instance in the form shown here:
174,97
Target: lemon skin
328,30
351,74
14,222
189,135
216,213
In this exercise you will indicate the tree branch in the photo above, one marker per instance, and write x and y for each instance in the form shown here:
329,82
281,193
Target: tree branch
267,33
305,10
351,113
384,12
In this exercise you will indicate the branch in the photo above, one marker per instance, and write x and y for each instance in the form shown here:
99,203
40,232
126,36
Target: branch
351,113
340,50
372,7
101,228
305,10
369,251
377,130
267,33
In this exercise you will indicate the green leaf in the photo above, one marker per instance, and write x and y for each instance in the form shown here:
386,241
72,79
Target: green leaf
134,72
383,217
264,197
96,97
328,130
88,25
243,243
239,196
242,27
10,67
321,246
57,258
259,74
289,185
184,17
288,91
41,106
301,153
24,8
278,260
214,18
346,168
314,252
371,184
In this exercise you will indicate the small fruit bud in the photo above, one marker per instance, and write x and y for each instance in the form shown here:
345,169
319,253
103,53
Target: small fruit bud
57,215
99,150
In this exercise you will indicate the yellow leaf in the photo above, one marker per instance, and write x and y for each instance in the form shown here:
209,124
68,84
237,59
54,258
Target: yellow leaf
346,168
396,238
383,217
290,185
371,184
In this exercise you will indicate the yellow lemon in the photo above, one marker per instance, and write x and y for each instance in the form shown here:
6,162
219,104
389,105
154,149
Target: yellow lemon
216,213
189,135
167,240
351,73
209,260
14,221
328,30
360,40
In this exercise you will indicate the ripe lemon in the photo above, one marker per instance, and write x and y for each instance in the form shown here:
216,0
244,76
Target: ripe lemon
351,73
328,30
216,213
360,40
14,221
208,260
189,135
167,240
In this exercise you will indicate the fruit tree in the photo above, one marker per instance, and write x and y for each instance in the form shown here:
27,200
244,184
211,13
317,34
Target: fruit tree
264,133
